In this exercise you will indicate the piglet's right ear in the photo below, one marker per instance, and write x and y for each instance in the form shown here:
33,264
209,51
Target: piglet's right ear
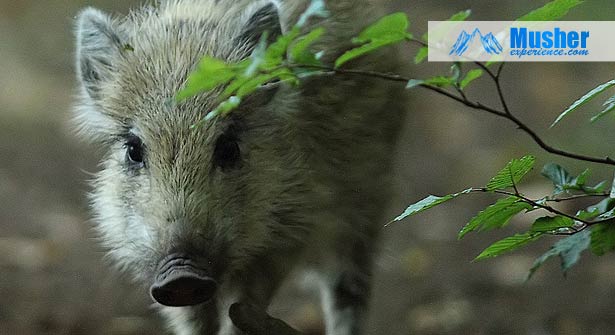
98,48
265,18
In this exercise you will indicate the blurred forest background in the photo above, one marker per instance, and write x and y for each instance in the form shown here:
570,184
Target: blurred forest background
53,279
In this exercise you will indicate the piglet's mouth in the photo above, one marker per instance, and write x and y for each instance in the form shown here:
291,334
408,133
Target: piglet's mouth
182,282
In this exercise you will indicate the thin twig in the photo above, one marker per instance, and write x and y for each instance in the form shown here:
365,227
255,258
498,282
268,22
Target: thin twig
500,68
421,43
475,105
577,196
461,92
534,203
533,134
584,224
498,86
485,69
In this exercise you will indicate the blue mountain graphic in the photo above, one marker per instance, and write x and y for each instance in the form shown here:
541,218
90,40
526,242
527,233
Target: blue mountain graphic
489,42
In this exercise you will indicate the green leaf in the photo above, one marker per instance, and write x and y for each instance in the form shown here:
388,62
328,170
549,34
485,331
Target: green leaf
390,27
559,176
255,83
491,62
421,55
470,77
603,206
233,86
548,224
609,107
455,71
581,179
360,51
584,99
427,203
210,74
599,188
460,16
579,183
602,238
299,52
607,215
226,106
440,81
412,83
495,216
258,56
277,50
508,244
562,181
552,11
587,214
244,86
316,8
388,30
569,250
510,176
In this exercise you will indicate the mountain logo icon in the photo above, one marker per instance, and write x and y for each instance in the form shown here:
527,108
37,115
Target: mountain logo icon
489,43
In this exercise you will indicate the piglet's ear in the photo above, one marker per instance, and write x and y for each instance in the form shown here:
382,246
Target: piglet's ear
98,49
264,17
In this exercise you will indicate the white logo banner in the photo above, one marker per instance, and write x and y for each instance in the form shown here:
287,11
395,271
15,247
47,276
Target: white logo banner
529,41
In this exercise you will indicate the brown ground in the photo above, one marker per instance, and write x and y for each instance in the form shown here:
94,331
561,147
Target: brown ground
53,279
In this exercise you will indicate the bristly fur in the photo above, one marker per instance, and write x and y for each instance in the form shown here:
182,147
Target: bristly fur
315,160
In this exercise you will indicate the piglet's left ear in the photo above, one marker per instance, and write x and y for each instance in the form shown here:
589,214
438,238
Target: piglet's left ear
264,17
98,49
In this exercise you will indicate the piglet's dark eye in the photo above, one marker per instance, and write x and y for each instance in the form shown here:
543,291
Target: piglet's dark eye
227,154
134,150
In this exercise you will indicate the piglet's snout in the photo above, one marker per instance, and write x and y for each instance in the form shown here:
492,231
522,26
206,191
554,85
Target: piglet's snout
181,282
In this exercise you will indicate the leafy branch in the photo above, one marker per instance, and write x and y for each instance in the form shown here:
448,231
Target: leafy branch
292,58
499,214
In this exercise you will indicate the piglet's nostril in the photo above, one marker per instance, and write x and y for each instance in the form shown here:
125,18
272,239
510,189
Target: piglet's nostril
179,283
184,290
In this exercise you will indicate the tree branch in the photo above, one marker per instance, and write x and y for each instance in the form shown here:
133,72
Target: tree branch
577,196
583,224
534,203
505,113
